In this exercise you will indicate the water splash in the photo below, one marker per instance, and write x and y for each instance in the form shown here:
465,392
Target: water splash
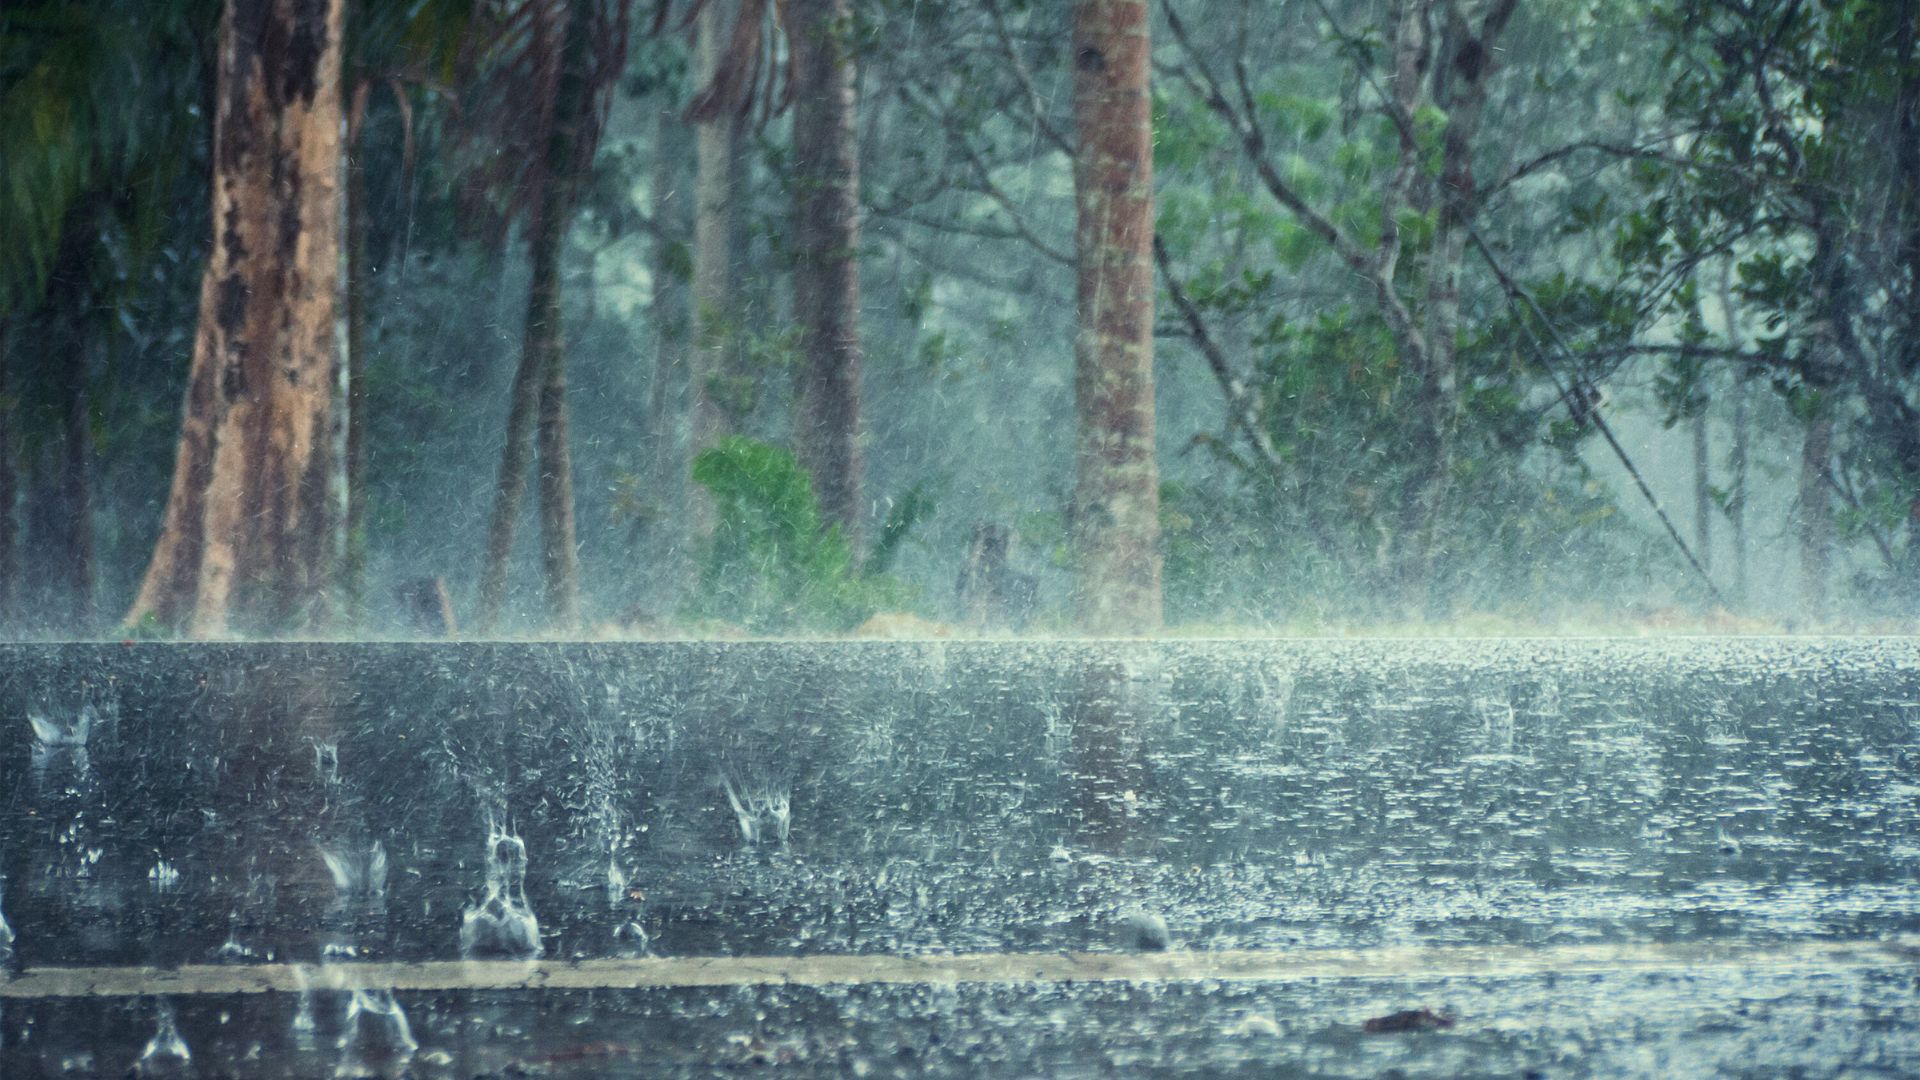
764,812
631,939
326,761
1140,930
51,732
6,932
164,875
376,1024
304,1025
233,951
357,874
166,1054
502,923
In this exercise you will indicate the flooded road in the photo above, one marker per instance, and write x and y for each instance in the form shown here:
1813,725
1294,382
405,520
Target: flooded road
1595,857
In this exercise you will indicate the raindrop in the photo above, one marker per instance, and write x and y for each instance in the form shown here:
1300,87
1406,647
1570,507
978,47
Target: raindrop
764,813
303,1022
166,1054
326,761
502,924
163,875
50,732
357,873
375,1019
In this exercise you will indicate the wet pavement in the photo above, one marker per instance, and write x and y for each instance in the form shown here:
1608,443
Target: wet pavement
1588,810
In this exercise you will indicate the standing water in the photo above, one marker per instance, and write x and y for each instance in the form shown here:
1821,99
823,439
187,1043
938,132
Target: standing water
1426,858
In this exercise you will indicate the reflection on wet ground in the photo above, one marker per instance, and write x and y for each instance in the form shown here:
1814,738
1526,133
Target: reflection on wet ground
320,805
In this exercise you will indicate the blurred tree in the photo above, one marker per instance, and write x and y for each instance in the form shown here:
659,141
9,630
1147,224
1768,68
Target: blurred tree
98,107
251,532
398,45
548,67
1799,166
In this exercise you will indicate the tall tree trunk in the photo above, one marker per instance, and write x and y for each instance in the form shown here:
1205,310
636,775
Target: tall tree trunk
250,531
538,409
1116,506
510,487
1816,512
1702,491
717,181
559,545
559,550
1465,58
826,273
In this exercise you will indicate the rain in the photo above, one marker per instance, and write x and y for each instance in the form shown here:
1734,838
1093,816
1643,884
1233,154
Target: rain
1334,538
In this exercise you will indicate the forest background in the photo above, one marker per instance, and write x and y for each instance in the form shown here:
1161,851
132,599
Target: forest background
776,305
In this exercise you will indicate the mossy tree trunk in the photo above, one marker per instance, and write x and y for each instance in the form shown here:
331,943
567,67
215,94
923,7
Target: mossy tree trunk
251,535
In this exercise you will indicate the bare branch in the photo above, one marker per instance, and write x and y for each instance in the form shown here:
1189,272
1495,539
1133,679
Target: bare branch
1240,408
1025,78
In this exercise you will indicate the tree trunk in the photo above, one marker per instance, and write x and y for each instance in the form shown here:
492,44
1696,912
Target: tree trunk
249,536
716,412
538,410
516,456
1116,507
559,546
1465,61
826,273
1816,512
559,551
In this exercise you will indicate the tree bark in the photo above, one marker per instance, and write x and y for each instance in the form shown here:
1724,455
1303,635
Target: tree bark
717,146
1116,506
249,538
826,273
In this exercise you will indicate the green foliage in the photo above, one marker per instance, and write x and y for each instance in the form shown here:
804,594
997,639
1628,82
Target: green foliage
773,566
92,97
908,511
